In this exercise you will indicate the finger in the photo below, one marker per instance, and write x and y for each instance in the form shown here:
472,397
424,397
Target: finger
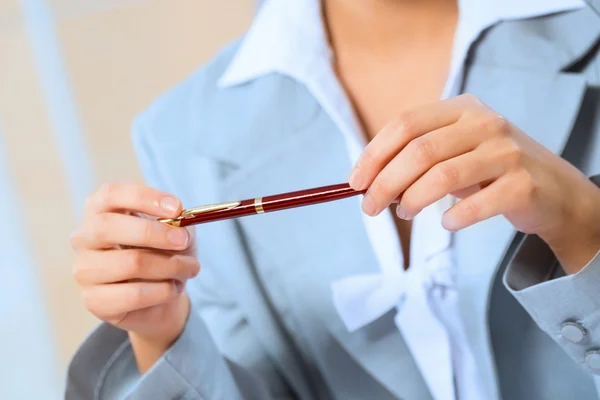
101,267
116,197
453,175
397,134
108,301
499,197
107,230
465,192
414,160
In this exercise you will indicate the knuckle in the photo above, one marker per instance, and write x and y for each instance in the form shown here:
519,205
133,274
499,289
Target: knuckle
528,190
471,99
495,123
196,267
190,267
99,228
170,291
409,202
423,150
381,188
89,302
447,175
75,239
146,232
513,153
134,298
132,263
183,265
403,124
77,272
105,193
141,195
469,211
368,156
90,202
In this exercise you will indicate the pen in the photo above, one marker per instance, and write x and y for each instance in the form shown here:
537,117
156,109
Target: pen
259,205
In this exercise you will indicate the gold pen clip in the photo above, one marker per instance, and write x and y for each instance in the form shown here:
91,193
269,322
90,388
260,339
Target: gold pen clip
192,212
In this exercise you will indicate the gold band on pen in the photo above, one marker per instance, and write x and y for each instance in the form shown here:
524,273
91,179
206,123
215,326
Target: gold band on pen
258,206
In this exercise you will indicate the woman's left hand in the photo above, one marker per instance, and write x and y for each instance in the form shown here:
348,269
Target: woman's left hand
462,147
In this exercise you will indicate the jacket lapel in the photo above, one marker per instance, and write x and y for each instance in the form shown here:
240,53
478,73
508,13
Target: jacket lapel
301,251
544,102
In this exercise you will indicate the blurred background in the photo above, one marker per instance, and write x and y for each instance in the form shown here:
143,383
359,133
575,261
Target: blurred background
73,74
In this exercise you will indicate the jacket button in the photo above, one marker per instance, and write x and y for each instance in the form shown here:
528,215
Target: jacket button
592,359
572,331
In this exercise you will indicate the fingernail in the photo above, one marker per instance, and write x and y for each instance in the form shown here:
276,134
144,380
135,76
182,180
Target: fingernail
355,180
368,205
401,212
169,204
178,237
449,222
179,286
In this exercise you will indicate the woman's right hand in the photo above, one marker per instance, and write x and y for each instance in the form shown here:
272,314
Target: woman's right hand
132,269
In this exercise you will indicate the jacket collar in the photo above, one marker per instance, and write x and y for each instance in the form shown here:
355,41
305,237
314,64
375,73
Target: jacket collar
286,37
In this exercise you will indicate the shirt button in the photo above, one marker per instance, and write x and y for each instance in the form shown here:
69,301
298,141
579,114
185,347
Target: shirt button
572,331
592,359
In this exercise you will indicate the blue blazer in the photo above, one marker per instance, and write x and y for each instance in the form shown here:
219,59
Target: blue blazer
263,325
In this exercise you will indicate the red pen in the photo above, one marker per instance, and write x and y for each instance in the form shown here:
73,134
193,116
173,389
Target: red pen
259,205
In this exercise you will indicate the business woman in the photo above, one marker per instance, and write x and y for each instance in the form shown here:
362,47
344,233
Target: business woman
481,282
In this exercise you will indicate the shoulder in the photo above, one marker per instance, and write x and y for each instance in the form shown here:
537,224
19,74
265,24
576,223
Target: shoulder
181,108
203,118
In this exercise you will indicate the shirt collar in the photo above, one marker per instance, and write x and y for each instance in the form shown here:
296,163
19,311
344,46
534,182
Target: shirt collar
287,36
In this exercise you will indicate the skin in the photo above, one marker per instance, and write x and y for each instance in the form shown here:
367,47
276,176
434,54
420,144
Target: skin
462,147
390,56
132,269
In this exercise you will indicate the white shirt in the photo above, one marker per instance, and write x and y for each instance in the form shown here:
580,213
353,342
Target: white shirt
288,37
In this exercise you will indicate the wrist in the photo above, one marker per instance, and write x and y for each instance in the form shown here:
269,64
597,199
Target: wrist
576,239
149,346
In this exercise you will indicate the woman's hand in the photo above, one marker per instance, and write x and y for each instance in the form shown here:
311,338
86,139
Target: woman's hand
132,269
461,147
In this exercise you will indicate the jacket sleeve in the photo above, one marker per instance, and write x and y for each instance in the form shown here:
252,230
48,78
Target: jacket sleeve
566,307
193,368
217,356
